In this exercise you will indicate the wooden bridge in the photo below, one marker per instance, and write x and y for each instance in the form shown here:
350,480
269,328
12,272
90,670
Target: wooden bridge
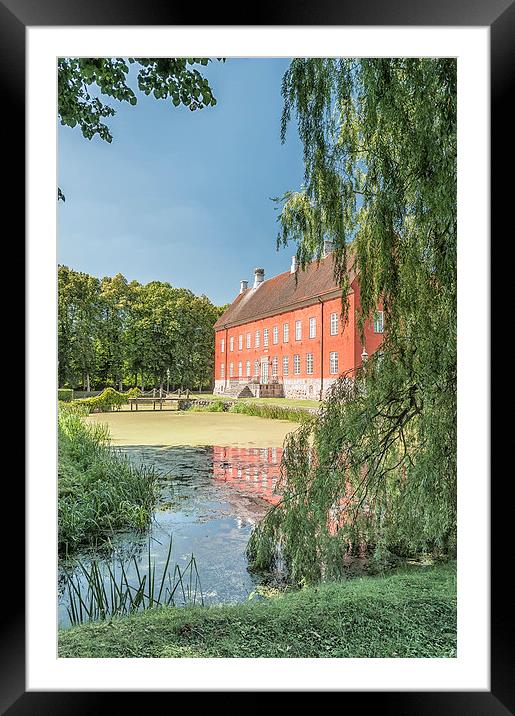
182,402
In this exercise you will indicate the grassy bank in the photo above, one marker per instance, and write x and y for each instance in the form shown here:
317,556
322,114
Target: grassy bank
408,614
99,490
272,411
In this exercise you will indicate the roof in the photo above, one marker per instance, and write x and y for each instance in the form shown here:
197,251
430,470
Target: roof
282,292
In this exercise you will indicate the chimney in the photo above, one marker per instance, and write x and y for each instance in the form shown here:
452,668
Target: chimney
328,247
259,276
293,266
243,286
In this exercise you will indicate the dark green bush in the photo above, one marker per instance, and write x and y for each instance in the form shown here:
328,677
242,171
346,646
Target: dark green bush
65,394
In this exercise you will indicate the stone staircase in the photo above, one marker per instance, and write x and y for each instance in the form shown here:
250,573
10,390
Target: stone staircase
240,390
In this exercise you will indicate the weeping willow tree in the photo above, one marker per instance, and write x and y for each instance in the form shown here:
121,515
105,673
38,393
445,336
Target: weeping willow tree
376,470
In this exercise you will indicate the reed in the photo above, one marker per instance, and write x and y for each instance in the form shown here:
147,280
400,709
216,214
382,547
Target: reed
272,411
101,591
99,490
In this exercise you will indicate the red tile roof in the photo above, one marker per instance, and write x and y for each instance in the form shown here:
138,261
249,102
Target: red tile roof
281,292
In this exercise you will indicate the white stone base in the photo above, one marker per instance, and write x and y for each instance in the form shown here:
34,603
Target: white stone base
294,388
219,387
306,388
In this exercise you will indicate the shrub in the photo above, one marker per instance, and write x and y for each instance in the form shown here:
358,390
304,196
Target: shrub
108,399
65,394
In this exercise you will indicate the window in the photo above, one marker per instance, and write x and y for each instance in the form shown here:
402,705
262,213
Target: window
298,330
231,343
256,342
231,369
222,371
286,332
334,324
275,335
265,338
248,340
274,367
296,364
333,363
309,363
222,345
240,343
256,368
240,369
247,366
285,365
379,322
312,327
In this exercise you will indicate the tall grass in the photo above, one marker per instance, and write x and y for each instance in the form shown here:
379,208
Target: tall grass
214,406
260,410
108,594
272,412
99,490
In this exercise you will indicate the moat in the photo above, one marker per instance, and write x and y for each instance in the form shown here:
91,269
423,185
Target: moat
211,495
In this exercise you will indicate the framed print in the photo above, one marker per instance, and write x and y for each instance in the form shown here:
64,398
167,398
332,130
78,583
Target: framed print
239,346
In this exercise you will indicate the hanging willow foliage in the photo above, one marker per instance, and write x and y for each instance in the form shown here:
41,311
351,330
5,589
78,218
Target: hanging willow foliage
377,469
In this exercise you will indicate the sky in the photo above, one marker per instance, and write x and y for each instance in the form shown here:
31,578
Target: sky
182,196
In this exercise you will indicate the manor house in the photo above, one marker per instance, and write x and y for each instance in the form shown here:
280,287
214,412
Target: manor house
284,336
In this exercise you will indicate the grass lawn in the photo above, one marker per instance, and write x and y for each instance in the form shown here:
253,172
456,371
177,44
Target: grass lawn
410,614
286,402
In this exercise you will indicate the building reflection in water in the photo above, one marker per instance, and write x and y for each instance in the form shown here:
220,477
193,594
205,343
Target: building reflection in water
253,470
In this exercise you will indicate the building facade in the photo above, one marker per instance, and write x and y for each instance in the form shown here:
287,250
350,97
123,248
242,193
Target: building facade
285,336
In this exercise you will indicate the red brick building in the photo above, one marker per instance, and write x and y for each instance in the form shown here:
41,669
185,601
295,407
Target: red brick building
285,335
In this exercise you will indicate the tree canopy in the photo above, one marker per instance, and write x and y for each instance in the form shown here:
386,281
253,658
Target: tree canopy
378,467
83,83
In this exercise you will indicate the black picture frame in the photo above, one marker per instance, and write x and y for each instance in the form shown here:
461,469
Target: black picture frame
499,16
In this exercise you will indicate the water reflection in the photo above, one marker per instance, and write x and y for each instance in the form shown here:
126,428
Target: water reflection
255,470
210,499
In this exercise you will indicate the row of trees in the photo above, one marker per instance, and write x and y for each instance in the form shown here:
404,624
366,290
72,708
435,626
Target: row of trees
112,332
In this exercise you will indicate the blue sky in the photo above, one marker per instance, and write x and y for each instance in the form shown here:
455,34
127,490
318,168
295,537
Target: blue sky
183,196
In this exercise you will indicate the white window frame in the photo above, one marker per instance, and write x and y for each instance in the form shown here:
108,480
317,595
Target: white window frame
333,363
240,369
257,339
256,368
231,370
231,344
309,363
240,342
222,370
286,333
222,346
286,365
379,321
313,327
333,330
265,337
298,330
275,335
296,364
275,367
249,336
247,368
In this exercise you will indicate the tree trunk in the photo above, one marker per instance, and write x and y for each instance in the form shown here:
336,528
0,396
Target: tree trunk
87,382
